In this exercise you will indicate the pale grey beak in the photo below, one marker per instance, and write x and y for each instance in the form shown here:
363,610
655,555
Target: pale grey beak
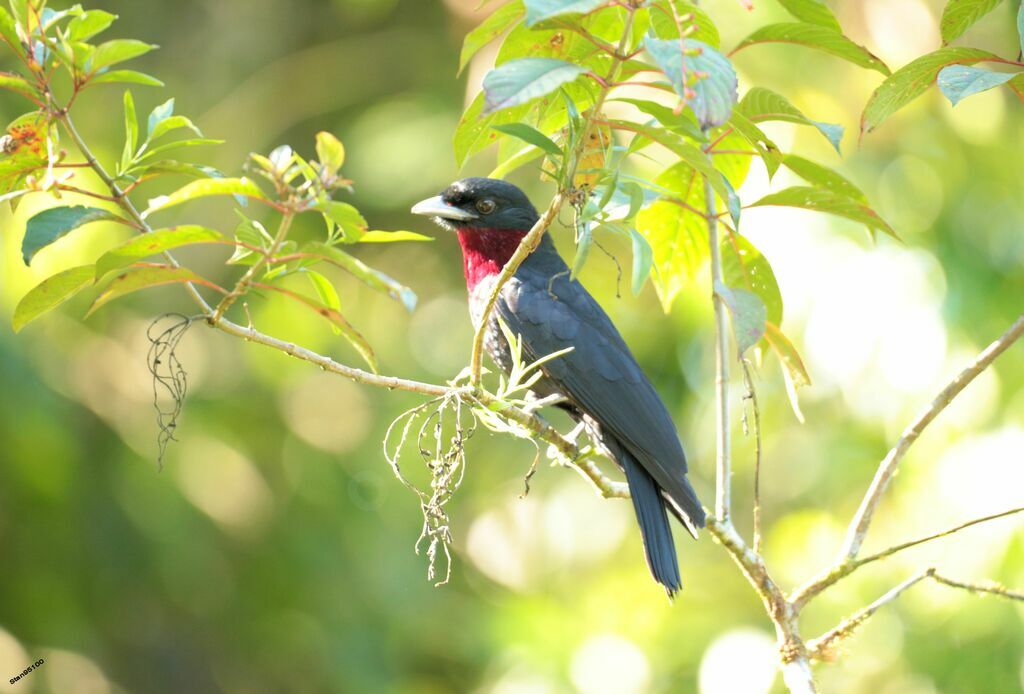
437,207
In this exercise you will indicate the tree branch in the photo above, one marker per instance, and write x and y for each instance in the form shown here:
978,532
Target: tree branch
862,520
723,471
532,239
823,647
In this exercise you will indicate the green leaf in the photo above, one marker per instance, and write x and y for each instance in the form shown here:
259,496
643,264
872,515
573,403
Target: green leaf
162,149
912,80
361,271
18,85
812,11
50,225
793,370
377,236
709,74
157,116
131,129
346,216
957,82
205,188
491,28
89,24
766,149
584,241
824,177
170,166
24,149
821,200
745,267
326,291
539,10
251,233
51,293
530,135
520,81
664,26
158,241
170,124
760,104
682,123
330,152
126,77
142,278
748,315
117,51
643,260
818,38
959,15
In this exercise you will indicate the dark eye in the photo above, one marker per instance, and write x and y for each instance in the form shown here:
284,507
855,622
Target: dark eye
485,206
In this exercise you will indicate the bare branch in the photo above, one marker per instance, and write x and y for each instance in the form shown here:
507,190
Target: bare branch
755,407
812,588
823,647
723,468
989,588
862,520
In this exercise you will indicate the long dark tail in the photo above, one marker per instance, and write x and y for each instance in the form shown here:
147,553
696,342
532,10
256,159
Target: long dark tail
654,526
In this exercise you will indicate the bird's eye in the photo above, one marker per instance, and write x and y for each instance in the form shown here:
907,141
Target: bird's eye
485,206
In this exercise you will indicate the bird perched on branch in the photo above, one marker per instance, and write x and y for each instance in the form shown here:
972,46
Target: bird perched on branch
602,385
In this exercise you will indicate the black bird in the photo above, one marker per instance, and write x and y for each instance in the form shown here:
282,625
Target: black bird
600,380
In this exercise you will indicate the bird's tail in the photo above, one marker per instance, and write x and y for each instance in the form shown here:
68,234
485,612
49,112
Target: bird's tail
654,526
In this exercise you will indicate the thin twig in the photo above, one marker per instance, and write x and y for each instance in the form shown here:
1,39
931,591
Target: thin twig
532,239
755,407
723,472
862,520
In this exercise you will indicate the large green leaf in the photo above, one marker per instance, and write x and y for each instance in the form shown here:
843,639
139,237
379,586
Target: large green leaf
539,10
823,200
708,73
49,225
51,293
141,278
205,188
912,80
812,11
158,241
748,315
819,38
822,176
760,104
958,82
89,24
361,271
745,267
520,81
117,51
491,28
959,15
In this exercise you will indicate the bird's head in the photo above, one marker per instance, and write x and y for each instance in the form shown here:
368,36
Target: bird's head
491,218
479,203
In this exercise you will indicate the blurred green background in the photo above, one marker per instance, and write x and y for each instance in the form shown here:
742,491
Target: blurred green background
274,552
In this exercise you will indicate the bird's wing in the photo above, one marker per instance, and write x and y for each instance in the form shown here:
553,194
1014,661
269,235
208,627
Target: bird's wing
600,375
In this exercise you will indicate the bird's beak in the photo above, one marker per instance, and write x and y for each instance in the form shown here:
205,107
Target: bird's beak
437,207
